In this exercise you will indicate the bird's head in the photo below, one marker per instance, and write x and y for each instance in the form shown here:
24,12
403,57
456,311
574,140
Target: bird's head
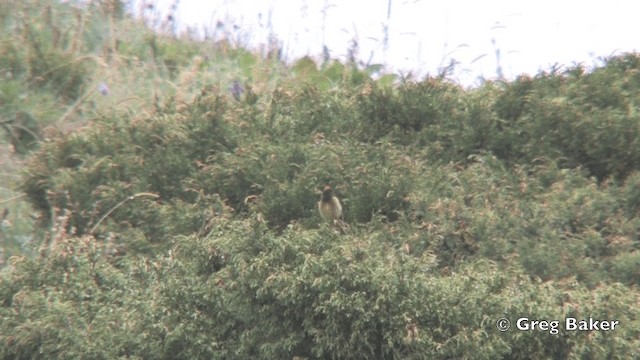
327,193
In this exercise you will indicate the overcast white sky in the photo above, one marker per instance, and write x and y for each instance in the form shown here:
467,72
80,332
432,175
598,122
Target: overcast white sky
425,34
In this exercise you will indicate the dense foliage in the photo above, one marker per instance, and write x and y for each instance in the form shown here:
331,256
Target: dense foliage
185,226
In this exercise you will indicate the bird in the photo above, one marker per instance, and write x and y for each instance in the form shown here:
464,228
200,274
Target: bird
329,205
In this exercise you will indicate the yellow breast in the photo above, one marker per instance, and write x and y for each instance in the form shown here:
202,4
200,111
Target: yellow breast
330,210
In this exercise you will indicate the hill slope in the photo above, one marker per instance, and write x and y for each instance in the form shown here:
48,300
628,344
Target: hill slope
176,183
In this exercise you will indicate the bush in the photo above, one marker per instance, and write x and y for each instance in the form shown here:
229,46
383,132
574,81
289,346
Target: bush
90,173
244,291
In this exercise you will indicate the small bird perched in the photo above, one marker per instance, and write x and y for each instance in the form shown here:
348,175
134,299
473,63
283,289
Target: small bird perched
329,205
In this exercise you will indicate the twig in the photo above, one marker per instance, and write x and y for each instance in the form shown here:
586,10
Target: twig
12,199
117,206
75,105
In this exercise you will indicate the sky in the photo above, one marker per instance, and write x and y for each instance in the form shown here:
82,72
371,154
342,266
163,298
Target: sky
486,39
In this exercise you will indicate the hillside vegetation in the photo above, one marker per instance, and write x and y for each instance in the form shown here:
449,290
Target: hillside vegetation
160,201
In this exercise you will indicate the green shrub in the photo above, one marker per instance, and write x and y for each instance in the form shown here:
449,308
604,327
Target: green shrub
64,73
586,118
90,172
429,105
244,291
